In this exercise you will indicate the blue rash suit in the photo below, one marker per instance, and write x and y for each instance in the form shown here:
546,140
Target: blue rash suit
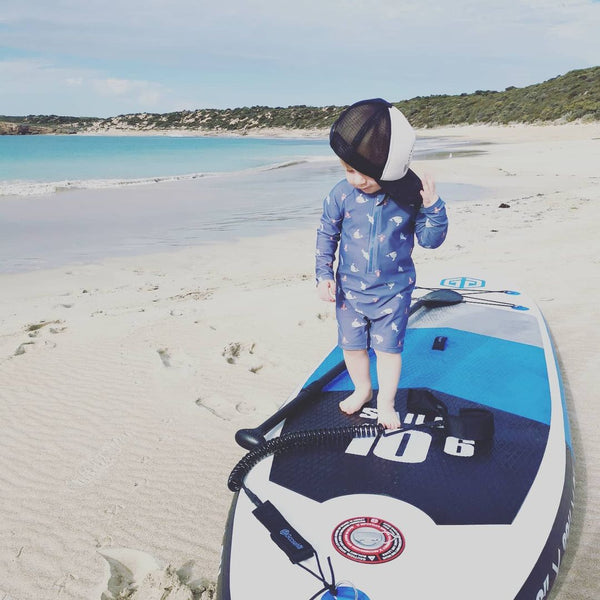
375,274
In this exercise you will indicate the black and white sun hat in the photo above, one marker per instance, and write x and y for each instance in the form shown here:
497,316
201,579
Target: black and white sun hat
375,138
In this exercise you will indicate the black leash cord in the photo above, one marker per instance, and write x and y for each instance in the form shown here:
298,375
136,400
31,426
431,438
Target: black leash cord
331,587
301,439
297,560
296,440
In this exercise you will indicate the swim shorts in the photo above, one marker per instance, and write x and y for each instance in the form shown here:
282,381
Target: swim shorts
383,331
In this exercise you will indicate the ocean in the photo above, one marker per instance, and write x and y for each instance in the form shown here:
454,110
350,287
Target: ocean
78,199
32,165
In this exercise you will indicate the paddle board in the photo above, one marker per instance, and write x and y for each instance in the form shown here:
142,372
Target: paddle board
473,499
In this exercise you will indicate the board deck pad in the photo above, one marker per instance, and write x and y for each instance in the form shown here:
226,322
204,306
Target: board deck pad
508,468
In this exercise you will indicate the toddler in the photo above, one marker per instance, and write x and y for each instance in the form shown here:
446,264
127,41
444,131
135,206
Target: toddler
372,217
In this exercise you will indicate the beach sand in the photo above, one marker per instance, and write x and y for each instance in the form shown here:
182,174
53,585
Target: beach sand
123,382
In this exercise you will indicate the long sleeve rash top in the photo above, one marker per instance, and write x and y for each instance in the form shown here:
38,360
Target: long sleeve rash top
375,235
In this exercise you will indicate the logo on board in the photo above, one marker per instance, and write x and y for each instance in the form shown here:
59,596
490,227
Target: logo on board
368,540
463,283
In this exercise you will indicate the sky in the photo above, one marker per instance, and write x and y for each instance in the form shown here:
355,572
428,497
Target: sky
108,57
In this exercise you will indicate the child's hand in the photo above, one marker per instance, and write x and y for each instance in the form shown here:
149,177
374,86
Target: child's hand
428,192
326,290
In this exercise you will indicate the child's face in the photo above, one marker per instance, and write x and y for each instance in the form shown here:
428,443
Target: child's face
361,182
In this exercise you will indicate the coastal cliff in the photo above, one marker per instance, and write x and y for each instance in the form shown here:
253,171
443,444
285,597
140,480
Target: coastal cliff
20,129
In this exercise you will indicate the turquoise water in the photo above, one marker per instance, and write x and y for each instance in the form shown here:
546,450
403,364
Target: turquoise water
78,199
85,161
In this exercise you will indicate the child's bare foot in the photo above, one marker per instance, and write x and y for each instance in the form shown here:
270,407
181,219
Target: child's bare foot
388,417
355,401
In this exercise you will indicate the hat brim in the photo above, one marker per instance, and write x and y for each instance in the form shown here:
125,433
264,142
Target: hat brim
404,191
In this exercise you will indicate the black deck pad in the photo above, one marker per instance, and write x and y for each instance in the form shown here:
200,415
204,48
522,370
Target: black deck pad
486,488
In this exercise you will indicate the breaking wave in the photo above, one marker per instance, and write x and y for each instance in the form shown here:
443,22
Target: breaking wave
42,188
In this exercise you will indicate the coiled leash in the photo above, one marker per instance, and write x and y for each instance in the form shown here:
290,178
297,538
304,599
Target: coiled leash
475,424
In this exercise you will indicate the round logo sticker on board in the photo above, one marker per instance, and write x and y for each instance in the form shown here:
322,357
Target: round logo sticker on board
368,540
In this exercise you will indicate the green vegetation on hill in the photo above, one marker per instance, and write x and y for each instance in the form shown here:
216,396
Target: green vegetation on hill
575,95
230,119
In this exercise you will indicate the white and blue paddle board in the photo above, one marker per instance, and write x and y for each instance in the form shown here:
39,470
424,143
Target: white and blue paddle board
424,512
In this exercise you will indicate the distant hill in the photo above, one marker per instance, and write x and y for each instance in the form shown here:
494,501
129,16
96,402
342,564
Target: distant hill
569,97
575,95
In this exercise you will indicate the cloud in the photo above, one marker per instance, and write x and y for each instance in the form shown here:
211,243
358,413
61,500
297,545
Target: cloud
243,52
141,96
146,93
79,91
197,31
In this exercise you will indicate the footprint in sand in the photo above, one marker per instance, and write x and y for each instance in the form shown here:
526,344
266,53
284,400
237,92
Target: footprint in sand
35,328
223,409
233,351
138,576
27,347
244,408
164,356
242,354
103,541
177,359
216,407
23,348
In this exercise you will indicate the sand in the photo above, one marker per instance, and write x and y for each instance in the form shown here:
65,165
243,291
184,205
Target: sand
122,382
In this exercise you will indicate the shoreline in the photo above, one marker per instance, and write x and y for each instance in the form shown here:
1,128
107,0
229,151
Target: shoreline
123,382
477,137
49,188
323,133
463,130
267,132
